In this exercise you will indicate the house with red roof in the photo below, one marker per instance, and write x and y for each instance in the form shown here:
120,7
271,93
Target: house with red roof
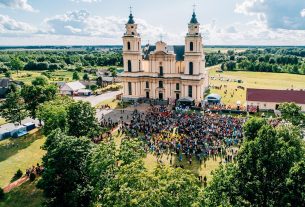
269,99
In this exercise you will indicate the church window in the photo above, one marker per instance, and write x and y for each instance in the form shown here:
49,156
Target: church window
190,91
129,65
161,71
177,87
191,65
129,89
147,84
160,84
132,33
191,46
139,65
128,45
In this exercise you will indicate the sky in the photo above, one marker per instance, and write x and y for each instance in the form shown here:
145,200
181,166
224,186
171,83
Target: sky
102,22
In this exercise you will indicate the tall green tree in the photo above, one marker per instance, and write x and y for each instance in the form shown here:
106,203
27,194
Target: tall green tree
54,114
82,120
252,126
16,64
65,181
75,76
131,149
35,95
263,166
13,109
292,113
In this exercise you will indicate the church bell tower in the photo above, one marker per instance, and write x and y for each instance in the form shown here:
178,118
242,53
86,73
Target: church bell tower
132,52
194,64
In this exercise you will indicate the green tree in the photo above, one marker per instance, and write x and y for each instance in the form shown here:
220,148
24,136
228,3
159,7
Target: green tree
35,95
295,183
113,71
13,108
86,77
75,76
54,114
133,185
66,181
131,149
16,64
102,167
40,81
252,126
263,166
292,113
99,81
82,121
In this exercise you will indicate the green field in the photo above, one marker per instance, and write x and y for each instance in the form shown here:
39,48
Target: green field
252,80
19,153
59,75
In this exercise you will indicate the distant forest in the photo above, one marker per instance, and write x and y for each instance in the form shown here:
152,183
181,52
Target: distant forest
247,58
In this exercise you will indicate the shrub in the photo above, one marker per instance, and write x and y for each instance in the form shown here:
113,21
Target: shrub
32,177
1,194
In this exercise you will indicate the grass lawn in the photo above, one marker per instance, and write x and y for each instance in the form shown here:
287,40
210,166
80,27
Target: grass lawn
19,153
2,121
59,75
252,80
113,103
26,195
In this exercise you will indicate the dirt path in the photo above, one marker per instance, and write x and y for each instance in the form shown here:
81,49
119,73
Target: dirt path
15,184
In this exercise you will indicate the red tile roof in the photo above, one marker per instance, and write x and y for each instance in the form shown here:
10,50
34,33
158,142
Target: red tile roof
276,96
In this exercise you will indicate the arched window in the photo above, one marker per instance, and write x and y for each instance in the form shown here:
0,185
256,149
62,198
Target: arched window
129,65
128,45
138,45
191,46
161,71
191,65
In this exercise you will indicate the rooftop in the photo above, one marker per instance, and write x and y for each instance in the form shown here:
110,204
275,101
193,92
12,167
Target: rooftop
276,96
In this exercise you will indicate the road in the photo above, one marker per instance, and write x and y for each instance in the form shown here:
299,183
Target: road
95,100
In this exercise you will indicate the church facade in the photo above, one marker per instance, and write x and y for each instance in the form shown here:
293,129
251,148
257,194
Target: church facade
161,71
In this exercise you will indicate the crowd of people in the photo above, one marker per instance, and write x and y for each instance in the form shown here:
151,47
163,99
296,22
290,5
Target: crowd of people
194,135
36,170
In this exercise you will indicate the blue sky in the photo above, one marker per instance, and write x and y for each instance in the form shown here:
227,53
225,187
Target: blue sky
101,22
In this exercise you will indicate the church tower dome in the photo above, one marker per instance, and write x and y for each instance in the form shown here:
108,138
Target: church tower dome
132,51
193,48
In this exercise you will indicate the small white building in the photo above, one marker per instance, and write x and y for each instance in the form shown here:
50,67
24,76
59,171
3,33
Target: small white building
268,99
74,88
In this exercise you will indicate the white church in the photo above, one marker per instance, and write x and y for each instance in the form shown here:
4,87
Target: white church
161,71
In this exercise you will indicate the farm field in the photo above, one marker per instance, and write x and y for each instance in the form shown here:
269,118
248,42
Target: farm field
260,80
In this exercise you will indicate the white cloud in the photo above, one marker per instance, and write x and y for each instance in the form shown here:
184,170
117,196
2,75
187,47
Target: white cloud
9,26
283,14
252,33
81,23
17,4
303,13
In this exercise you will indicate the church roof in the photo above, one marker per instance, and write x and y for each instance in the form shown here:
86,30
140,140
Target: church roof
130,20
194,19
177,49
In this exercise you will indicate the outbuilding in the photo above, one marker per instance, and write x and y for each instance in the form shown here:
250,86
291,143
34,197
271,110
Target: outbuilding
269,99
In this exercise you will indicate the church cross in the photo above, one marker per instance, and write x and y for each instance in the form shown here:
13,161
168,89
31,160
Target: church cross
130,9
194,7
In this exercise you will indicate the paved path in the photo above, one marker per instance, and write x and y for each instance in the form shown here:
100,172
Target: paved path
95,100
